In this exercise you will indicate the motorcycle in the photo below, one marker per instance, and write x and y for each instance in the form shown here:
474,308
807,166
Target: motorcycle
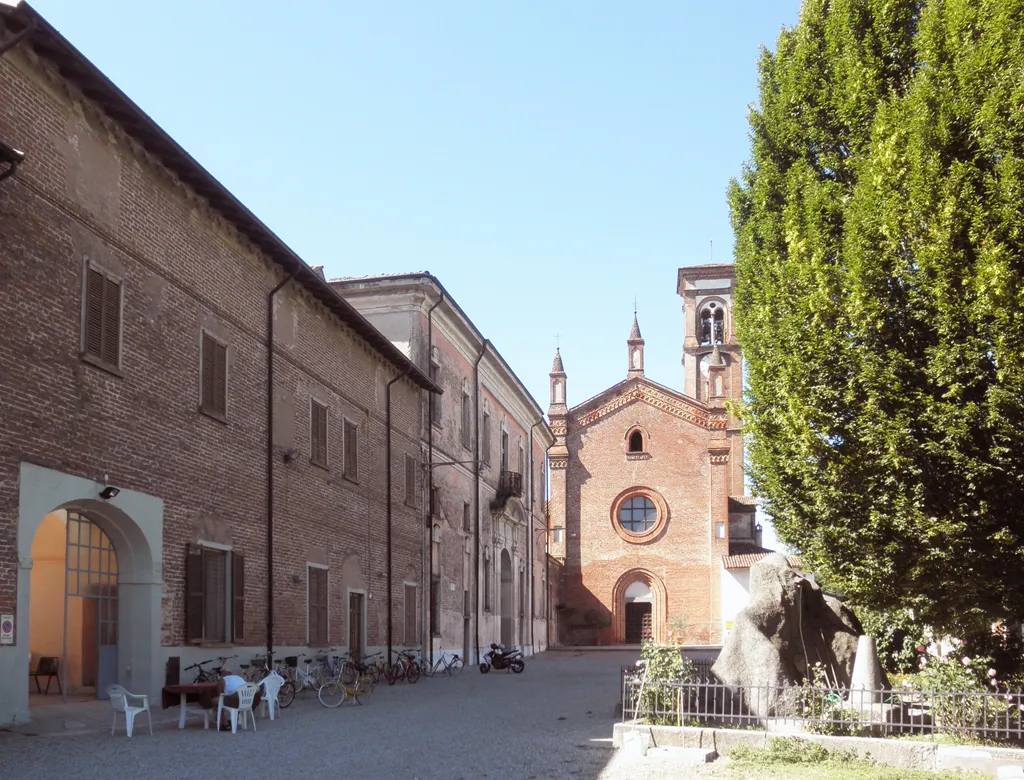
499,658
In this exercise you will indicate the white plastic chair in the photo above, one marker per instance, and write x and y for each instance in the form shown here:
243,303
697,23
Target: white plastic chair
271,685
131,704
245,696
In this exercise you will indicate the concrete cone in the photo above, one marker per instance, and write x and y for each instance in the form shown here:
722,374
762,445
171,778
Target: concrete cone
866,679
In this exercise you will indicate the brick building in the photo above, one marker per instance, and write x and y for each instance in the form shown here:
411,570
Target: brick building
169,486
647,506
486,440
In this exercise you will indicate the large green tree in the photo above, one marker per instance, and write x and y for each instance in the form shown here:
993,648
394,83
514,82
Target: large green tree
879,252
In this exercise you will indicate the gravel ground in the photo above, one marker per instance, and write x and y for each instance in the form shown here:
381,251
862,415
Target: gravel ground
553,721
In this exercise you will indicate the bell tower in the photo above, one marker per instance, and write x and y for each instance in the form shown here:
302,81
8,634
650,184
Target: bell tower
558,459
635,351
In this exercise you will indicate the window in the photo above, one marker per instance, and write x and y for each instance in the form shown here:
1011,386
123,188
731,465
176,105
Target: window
410,480
435,399
487,584
485,436
351,451
410,615
543,597
213,370
317,601
522,594
101,340
719,530
214,595
504,450
543,482
467,419
435,607
638,514
317,434
636,442
435,501
467,520
522,459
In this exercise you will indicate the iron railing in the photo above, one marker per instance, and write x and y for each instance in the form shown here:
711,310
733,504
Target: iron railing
510,483
995,715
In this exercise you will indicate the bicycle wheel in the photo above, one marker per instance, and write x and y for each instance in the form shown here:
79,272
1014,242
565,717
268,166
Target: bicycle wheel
393,673
374,672
363,689
414,672
286,695
349,672
455,667
427,670
332,694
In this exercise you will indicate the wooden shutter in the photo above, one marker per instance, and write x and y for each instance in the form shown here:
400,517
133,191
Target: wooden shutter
351,450
193,593
410,615
486,436
94,313
237,597
318,433
111,322
410,479
317,617
215,377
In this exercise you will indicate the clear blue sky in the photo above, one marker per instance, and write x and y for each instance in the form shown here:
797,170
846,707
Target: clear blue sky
547,160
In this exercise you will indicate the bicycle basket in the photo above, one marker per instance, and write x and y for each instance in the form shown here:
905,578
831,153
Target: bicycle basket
291,660
321,658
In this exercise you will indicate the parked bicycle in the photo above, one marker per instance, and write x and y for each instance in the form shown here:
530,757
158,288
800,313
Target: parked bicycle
452,664
336,692
368,667
405,668
205,675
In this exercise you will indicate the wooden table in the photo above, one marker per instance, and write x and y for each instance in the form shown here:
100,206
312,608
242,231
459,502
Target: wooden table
205,694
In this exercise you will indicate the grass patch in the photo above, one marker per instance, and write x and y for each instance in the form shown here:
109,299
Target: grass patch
794,757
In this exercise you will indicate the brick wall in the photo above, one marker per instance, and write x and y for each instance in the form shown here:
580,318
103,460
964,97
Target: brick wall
88,193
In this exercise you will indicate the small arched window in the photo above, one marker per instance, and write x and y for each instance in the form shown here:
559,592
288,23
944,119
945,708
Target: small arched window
636,442
711,324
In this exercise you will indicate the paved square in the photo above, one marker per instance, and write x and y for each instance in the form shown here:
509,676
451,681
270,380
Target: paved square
554,720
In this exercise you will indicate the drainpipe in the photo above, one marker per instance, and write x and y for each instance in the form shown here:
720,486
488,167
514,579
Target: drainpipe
476,492
530,536
270,461
430,482
387,467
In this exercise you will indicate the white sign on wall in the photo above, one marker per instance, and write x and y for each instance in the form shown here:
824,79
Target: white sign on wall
6,629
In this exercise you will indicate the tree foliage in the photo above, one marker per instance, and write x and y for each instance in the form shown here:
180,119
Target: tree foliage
879,251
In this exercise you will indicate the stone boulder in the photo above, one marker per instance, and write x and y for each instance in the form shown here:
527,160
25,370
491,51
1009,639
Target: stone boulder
788,626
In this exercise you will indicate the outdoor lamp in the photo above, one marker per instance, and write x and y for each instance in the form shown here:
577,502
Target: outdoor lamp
757,527
109,492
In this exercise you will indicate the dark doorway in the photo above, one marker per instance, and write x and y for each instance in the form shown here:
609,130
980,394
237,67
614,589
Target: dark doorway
355,626
638,616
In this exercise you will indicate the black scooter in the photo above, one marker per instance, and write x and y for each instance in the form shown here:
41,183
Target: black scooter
511,660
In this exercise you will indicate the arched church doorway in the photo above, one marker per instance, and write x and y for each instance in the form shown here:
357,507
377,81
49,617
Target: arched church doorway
74,609
507,618
638,604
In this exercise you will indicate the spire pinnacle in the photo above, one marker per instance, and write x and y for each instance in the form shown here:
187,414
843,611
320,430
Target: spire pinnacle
635,333
556,366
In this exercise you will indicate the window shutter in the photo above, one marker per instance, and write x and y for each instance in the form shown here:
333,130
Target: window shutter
94,313
410,479
220,379
322,607
351,450
486,436
111,322
208,379
321,434
237,596
193,593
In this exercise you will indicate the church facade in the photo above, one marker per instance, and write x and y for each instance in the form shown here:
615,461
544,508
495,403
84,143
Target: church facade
647,506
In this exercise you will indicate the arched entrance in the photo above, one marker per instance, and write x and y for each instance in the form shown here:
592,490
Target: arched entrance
74,615
507,618
127,577
639,606
638,603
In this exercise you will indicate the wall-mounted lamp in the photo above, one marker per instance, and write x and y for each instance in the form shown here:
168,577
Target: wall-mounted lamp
109,492
290,455
297,578
758,528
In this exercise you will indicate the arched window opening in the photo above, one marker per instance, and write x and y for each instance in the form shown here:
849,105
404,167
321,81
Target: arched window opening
712,324
636,442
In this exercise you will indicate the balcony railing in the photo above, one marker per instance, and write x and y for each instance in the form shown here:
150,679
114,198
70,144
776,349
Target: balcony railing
510,484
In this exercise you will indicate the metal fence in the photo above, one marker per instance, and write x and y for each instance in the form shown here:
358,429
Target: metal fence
995,716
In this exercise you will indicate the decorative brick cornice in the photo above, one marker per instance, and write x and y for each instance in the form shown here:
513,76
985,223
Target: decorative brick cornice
558,463
718,456
659,400
558,427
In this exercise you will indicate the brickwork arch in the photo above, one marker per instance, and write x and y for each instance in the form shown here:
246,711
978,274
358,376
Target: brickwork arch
659,608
